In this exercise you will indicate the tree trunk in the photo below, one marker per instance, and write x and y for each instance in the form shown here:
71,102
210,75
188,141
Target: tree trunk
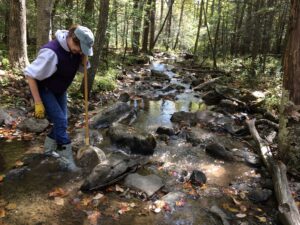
247,31
115,16
217,36
44,10
136,25
161,12
199,27
179,25
169,24
162,27
87,17
100,38
152,24
70,11
146,27
255,37
289,134
17,34
6,22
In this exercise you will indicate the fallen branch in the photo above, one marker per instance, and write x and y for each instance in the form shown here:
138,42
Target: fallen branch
288,211
201,86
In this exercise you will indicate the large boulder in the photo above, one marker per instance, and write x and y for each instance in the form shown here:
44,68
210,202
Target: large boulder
5,117
33,125
110,115
133,140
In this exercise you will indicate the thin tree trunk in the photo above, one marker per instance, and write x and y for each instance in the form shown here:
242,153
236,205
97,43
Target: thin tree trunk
179,25
44,10
146,27
17,34
70,10
87,17
126,33
169,24
162,27
136,26
209,36
152,24
115,16
217,36
6,22
199,27
100,38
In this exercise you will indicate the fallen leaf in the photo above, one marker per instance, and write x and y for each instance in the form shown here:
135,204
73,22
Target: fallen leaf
2,178
58,192
2,213
240,215
86,201
119,189
236,201
19,163
59,201
180,203
243,208
11,206
261,219
93,217
3,203
98,196
229,208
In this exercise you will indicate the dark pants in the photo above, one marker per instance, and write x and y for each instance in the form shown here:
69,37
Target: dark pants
56,109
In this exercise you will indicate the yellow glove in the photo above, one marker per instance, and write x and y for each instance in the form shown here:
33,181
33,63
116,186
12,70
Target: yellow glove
39,110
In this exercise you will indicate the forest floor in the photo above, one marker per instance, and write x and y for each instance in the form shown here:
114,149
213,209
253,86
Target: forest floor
235,193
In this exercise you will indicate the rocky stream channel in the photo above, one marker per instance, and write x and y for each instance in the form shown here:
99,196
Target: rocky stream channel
177,151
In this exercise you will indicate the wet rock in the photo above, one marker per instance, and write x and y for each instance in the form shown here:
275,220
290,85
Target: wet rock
109,172
157,85
148,184
229,106
173,87
110,115
165,130
5,118
198,81
79,138
182,116
33,125
259,195
131,116
252,159
124,97
16,174
192,138
172,197
2,163
212,98
198,178
89,158
219,151
134,140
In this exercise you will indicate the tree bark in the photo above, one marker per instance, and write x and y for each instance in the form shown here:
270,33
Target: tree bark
69,12
152,24
179,25
87,18
169,24
44,10
17,34
162,27
99,43
199,27
146,27
136,25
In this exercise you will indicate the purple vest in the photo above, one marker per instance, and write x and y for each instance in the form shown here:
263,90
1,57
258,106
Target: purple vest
67,67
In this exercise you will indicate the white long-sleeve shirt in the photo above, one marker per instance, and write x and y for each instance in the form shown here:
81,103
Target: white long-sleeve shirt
46,62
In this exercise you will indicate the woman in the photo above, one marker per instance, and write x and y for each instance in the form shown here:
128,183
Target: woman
49,77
